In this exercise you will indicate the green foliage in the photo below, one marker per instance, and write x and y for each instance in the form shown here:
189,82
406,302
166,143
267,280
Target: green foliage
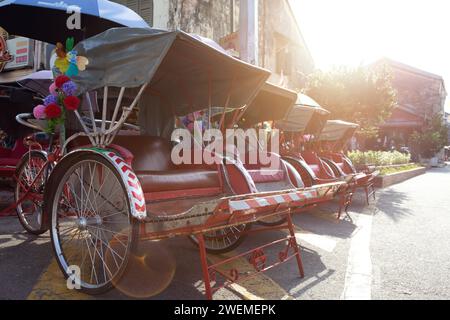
378,158
432,138
362,95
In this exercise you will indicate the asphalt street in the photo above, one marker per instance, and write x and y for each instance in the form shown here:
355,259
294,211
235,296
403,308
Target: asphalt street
396,248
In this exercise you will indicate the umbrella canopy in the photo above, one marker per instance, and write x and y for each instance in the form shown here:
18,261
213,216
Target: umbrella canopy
307,116
38,82
47,20
271,104
336,130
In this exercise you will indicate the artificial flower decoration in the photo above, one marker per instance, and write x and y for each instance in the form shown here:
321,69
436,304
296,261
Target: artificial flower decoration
63,91
62,98
69,88
71,103
60,80
39,112
52,89
82,62
53,111
68,62
51,99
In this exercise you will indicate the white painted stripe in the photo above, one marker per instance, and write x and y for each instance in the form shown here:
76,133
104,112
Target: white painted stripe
309,195
358,278
238,205
279,199
262,202
294,196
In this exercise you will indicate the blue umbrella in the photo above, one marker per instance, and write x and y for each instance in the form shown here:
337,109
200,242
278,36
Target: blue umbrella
53,20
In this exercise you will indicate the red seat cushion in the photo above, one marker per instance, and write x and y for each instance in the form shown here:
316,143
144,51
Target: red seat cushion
266,175
315,168
152,164
9,162
171,180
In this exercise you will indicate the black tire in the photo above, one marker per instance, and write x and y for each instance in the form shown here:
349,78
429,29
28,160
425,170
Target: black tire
95,222
224,247
25,173
273,221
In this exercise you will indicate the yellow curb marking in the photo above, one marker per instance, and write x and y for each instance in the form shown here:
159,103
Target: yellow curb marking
52,286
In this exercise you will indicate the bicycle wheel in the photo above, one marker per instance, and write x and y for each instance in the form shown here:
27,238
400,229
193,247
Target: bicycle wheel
91,223
223,240
29,204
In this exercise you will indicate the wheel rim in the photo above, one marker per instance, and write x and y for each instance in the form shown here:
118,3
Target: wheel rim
90,231
30,209
223,238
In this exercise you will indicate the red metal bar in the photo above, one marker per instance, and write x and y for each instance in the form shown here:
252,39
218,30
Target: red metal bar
14,205
169,195
297,251
204,263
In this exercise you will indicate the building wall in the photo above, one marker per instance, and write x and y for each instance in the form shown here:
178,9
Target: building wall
282,47
208,18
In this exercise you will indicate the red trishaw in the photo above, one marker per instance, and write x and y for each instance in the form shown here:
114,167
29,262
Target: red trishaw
332,141
19,97
108,188
300,129
269,110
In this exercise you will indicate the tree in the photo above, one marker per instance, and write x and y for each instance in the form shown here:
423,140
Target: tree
432,138
362,95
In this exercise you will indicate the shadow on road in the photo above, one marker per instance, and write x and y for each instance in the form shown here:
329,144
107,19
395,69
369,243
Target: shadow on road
23,258
393,204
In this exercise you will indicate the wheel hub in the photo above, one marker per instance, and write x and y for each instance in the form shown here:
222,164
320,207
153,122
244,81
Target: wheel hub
83,222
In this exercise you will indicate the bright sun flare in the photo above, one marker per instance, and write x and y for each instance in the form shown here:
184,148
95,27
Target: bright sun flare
353,32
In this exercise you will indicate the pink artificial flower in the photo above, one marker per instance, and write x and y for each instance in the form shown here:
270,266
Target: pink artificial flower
39,112
52,89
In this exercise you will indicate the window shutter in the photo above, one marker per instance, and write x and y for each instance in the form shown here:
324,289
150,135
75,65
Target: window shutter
144,8
146,11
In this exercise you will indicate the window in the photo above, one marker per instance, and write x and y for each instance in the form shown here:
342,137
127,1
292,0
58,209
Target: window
142,7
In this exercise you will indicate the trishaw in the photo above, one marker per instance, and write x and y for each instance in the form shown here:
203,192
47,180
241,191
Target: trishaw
300,130
269,109
106,189
16,97
332,142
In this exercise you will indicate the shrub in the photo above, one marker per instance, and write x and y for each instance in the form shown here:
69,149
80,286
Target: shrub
378,158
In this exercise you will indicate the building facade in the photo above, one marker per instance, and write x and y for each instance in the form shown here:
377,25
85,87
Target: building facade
420,94
281,47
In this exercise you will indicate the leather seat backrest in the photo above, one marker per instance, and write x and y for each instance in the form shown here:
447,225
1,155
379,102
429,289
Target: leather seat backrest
150,153
310,157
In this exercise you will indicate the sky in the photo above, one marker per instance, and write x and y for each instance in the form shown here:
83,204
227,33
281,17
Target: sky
353,32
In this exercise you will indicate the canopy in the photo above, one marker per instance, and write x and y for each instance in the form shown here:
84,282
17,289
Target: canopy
47,20
272,103
38,82
183,72
307,116
336,130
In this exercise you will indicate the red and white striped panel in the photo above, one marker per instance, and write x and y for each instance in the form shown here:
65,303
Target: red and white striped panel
255,203
133,186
